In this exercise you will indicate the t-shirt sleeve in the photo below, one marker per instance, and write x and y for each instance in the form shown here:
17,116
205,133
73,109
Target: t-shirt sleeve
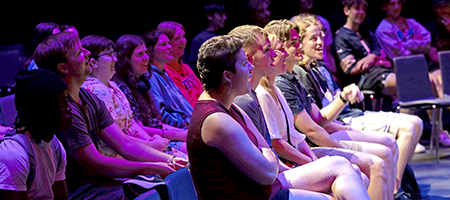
104,117
292,97
14,166
343,50
269,107
62,163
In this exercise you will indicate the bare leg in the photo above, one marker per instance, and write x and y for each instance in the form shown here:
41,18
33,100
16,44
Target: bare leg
326,173
304,194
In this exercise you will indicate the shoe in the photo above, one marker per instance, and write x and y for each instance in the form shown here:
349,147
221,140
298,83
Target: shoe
444,138
401,195
419,148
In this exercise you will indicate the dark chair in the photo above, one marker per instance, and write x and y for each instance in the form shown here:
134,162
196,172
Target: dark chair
180,186
414,91
444,64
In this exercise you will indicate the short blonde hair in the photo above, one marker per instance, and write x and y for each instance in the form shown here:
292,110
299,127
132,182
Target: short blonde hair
305,20
281,28
250,34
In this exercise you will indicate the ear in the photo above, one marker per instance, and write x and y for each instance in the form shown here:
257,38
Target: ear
62,67
209,17
93,63
346,11
227,76
249,57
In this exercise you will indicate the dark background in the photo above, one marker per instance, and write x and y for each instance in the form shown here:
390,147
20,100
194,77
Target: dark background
115,18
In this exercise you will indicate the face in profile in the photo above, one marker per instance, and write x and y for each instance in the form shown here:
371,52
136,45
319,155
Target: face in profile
313,43
105,63
280,59
65,114
239,79
178,43
263,58
139,60
78,61
163,50
293,47
218,19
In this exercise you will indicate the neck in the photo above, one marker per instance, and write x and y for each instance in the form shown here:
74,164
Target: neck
73,87
290,66
212,28
254,80
101,79
352,26
270,80
176,59
159,65
393,19
220,96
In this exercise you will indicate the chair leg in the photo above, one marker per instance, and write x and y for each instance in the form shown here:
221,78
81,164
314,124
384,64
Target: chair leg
433,129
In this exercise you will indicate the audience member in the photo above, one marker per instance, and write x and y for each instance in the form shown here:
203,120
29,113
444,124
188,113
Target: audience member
89,174
224,153
215,13
41,31
442,10
306,6
134,84
407,129
257,51
399,36
69,28
259,12
180,73
33,161
379,151
359,54
102,60
174,108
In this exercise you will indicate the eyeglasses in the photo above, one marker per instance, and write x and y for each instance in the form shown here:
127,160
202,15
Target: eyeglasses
108,54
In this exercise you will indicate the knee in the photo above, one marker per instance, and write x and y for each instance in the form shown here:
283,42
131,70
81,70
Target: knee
340,163
391,143
417,122
386,154
377,166
407,130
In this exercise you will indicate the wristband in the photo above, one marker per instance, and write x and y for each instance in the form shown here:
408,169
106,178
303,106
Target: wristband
342,99
171,160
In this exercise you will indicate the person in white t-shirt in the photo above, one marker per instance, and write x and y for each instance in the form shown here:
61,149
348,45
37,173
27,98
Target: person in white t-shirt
42,175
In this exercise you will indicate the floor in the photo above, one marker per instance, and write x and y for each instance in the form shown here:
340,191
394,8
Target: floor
433,178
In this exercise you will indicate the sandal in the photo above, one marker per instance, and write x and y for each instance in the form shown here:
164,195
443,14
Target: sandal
445,138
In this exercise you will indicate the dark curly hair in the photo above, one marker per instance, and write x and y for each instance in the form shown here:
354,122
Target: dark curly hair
124,48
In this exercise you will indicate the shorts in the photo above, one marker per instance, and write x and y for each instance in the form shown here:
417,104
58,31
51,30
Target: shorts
375,121
332,151
374,79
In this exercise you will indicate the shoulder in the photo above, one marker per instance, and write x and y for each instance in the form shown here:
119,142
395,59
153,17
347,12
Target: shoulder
12,153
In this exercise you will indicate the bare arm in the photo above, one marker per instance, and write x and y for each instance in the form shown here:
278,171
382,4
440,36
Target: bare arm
96,164
130,149
59,190
285,150
169,132
221,131
314,132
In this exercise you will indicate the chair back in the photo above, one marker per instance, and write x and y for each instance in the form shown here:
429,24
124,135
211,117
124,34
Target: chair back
8,111
444,64
412,78
180,186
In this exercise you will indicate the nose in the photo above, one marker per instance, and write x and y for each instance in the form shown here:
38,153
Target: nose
286,54
144,57
250,66
272,53
86,52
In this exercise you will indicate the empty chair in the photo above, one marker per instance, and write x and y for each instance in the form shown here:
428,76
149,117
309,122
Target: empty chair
444,64
180,186
414,91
